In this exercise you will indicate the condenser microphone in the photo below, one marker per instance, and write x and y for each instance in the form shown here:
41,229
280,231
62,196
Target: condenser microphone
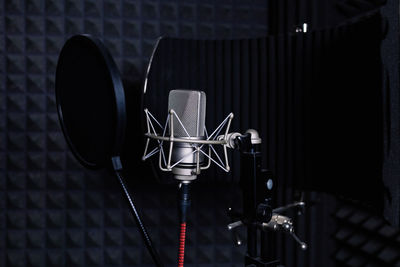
189,108
184,147
186,138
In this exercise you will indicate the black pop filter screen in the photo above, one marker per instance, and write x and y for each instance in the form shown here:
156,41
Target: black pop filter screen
86,100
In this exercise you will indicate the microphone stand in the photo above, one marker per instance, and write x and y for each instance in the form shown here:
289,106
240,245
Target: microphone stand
258,215
256,201
256,184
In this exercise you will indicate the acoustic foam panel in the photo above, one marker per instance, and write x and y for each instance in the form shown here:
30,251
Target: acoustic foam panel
52,212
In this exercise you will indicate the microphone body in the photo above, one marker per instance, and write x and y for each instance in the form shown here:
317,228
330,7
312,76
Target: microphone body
190,109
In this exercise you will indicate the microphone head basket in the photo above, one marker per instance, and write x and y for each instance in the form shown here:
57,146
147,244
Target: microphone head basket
201,147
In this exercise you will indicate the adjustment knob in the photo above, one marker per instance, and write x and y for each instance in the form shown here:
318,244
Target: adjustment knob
264,213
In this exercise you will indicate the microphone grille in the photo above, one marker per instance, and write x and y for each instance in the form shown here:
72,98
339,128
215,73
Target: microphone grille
190,106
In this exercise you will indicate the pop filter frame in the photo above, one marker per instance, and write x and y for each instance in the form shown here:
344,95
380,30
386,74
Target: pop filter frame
74,105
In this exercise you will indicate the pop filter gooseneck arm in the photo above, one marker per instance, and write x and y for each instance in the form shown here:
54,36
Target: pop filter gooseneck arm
117,166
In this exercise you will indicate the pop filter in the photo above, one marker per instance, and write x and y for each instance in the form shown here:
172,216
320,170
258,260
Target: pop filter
90,101
92,112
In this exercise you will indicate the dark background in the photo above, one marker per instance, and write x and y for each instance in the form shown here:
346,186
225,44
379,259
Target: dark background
55,213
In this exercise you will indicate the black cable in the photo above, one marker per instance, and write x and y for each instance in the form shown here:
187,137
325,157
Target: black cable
184,200
142,229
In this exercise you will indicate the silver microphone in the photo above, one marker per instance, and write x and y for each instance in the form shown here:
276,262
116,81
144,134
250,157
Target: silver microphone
189,107
186,148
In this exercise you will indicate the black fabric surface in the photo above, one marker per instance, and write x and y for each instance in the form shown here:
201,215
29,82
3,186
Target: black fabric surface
391,171
314,97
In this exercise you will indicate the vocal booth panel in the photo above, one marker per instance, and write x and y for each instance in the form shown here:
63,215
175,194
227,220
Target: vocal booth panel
316,79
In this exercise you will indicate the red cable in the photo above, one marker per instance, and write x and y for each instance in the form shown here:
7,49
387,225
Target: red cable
182,237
